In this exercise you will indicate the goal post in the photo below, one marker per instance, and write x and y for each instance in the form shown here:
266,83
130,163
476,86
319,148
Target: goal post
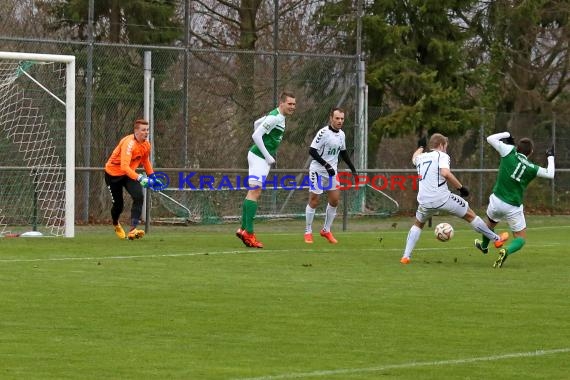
37,137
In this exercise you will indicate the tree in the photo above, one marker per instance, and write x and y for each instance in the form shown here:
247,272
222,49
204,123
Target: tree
527,53
416,67
246,26
135,21
20,18
247,63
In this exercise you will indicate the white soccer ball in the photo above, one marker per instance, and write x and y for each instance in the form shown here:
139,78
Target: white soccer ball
443,232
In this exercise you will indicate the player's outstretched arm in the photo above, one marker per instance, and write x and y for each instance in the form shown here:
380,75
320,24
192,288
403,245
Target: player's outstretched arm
498,145
548,172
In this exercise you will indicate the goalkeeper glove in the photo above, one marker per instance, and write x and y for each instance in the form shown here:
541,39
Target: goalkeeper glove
330,169
550,151
157,184
508,140
145,181
463,191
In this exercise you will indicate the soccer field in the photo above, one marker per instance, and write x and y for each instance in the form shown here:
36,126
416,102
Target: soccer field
194,303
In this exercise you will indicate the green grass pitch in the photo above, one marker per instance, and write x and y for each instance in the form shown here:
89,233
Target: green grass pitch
194,303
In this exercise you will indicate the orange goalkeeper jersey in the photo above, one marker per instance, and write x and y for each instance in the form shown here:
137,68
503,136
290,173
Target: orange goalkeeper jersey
128,156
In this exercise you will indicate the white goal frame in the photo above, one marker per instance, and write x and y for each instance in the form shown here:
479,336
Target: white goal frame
69,61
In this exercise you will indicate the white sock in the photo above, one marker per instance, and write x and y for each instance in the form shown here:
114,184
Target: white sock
413,237
479,225
329,218
309,216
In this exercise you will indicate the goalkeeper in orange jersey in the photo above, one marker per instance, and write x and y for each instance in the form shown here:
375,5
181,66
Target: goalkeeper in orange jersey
132,151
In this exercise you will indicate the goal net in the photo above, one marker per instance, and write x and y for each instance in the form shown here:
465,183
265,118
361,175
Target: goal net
37,143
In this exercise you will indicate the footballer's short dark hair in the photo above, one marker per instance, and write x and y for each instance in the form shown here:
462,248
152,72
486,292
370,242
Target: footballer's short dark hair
336,109
525,146
286,94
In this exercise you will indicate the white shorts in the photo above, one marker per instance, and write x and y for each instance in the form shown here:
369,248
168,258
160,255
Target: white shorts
455,205
320,182
513,215
258,169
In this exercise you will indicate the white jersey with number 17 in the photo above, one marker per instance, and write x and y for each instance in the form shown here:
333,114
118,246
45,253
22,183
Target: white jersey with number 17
433,191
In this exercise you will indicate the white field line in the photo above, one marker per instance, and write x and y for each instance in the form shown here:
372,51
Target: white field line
502,227
437,363
232,252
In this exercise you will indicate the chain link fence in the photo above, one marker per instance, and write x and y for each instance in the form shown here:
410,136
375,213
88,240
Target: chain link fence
205,102
204,105
475,162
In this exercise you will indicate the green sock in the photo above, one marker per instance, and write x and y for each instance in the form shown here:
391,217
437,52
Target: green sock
250,211
243,214
515,245
485,242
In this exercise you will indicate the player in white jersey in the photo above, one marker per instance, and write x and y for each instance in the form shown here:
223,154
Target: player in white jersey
328,144
434,196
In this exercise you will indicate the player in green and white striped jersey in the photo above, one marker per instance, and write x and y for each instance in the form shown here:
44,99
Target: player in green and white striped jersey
516,171
267,136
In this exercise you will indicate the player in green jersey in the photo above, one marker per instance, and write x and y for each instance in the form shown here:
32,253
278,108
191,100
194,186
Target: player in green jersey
267,135
516,171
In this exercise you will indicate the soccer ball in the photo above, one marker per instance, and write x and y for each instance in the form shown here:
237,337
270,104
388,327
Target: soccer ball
443,232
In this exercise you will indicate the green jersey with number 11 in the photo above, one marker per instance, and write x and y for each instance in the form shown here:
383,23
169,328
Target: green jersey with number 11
515,173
